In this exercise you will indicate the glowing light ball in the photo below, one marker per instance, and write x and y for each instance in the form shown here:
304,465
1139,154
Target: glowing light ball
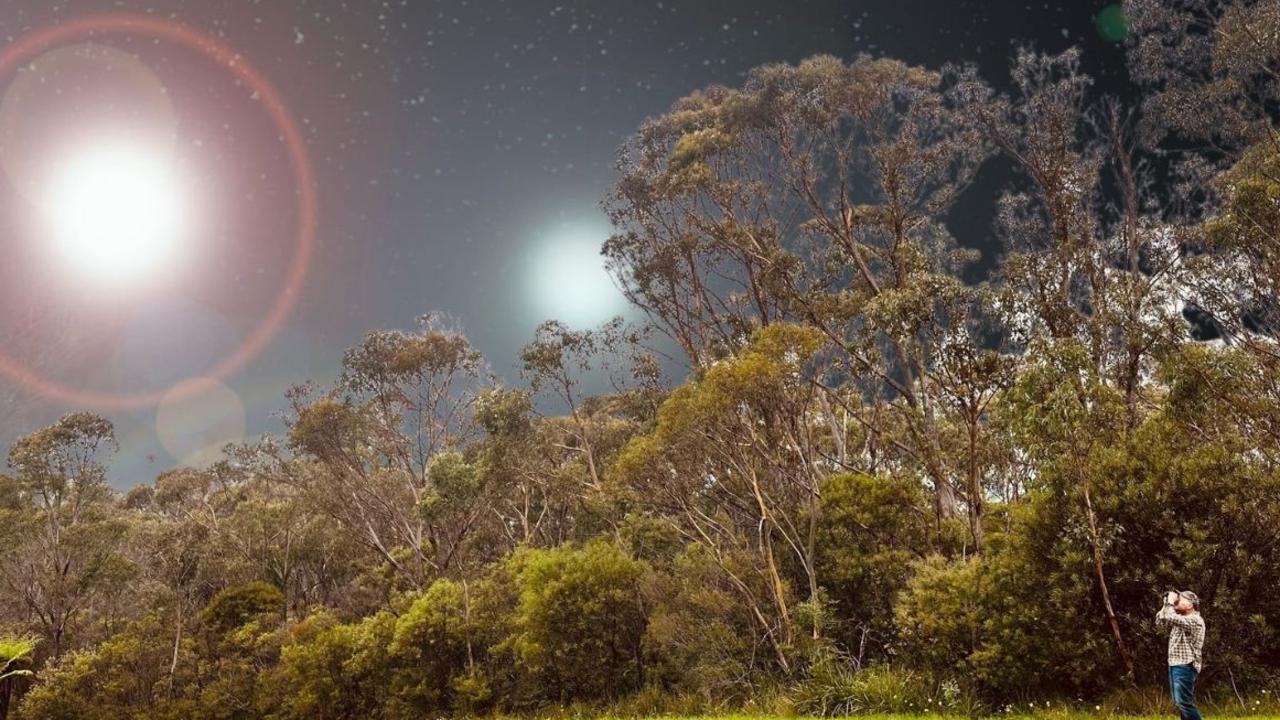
76,96
1112,24
568,280
115,212
16,114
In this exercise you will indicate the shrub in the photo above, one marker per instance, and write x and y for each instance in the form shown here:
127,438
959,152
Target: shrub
237,606
330,670
700,636
430,650
835,688
124,676
870,529
578,623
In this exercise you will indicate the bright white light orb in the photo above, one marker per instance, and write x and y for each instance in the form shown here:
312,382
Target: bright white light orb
568,278
115,212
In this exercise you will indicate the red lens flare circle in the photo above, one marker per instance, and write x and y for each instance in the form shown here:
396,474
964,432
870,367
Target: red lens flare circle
39,41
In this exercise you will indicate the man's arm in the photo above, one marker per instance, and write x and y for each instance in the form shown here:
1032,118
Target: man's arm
1169,616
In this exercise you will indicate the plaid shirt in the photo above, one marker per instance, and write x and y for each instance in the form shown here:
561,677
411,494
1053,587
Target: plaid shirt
1186,635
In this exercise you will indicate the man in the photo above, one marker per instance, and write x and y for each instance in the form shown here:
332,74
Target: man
1181,613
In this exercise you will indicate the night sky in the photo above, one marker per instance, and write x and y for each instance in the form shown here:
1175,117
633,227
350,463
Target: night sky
461,149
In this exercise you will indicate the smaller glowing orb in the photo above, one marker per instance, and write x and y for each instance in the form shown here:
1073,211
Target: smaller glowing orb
197,418
1112,24
115,212
568,279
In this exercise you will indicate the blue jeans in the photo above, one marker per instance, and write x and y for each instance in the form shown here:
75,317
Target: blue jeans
1182,683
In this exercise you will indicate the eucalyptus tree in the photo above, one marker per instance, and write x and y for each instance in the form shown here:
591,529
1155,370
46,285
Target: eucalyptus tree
817,193
62,538
554,363
731,465
1212,93
1092,276
366,447
580,435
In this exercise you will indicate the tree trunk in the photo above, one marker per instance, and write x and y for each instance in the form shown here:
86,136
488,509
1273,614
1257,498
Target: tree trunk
177,642
976,505
6,694
766,549
812,572
466,621
1125,657
944,497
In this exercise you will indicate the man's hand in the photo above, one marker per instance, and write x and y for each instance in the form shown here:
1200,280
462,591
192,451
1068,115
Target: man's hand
1171,597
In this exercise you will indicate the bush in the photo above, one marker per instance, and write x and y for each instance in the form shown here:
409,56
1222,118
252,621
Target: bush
1004,627
870,529
238,606
430,651
124,676
578,623
329,670
834,688
701,636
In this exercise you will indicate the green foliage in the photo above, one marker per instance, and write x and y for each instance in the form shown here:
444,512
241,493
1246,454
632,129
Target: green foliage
1250,215
871,529
326,427
237,606
454,483
329,670
1061,406
125,676
833,689
64,456
651,539
431,645
700,636
1173,507
577,626
503,412
1000,630
15,652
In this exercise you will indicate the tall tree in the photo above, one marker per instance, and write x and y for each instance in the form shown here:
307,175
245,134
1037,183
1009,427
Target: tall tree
732,465
63,542
366,447
815,193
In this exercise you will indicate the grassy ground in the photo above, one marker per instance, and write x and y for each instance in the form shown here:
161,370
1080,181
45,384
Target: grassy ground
1209,713
1048,715
1024,714
1148,704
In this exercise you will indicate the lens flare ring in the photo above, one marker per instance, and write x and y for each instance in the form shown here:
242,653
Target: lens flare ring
90,27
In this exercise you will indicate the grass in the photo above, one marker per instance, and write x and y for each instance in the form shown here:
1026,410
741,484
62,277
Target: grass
1024,715
1144,704
1212,712
1047,715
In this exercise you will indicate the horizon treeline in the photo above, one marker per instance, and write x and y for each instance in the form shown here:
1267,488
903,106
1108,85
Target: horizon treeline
879,487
